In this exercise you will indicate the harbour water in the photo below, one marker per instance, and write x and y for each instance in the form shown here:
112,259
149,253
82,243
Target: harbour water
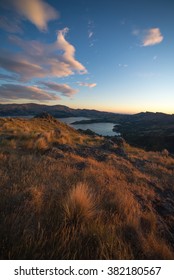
105,129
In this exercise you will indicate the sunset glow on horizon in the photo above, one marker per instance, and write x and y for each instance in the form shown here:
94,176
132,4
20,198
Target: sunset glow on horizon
114,55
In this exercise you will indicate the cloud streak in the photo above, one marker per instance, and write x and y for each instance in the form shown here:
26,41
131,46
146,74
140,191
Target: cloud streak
152,37
20,65
123,65
64,89
7,77
12,26
90,85
36,11
14,91
90,34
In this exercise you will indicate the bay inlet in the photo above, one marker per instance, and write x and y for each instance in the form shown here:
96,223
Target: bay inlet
104,128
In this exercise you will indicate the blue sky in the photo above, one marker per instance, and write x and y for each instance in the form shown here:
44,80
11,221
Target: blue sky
114,55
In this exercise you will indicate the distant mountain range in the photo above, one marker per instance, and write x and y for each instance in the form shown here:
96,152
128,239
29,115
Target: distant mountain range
64,111
56,110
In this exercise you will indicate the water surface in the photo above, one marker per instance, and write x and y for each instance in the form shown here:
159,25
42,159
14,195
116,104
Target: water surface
105,129
70,120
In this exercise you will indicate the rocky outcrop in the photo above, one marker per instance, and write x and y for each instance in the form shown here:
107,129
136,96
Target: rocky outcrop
45,115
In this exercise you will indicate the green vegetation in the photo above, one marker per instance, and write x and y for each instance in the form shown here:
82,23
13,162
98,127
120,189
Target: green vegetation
67,195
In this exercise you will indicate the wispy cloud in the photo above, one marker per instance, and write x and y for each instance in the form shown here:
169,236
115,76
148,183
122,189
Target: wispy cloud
6,77
36,11
136,32
21,65
90,85
155,57
90,33
14,91
123,65
38,60
149,37
64,89
11,26
152,37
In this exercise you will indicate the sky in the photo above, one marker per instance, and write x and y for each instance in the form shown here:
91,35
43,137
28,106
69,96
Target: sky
114,55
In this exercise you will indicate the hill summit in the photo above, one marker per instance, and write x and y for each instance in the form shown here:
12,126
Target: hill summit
44,115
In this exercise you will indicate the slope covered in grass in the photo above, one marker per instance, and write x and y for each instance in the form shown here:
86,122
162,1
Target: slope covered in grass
67,195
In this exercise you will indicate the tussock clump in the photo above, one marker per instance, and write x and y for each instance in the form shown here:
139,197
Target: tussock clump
48,135
41,143
44,140
80,205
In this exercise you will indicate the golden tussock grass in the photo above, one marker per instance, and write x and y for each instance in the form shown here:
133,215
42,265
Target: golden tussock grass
41,143
80,205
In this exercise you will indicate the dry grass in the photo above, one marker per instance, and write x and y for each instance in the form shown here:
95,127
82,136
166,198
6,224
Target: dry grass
79,207
41,143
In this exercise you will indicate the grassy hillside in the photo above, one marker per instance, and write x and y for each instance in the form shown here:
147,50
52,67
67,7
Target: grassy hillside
67,195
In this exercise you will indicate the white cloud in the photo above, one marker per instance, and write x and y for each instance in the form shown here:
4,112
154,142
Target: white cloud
90,85
14,91
38,60
64,89
149,37
152,37
69,52
36,11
